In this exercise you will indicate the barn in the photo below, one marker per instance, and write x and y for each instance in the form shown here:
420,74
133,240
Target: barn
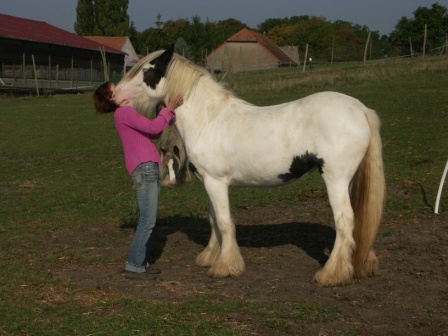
44,57
122,43
248,50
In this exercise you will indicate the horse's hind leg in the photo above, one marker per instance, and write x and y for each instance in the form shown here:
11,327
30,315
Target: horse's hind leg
229,261
211,252
338,269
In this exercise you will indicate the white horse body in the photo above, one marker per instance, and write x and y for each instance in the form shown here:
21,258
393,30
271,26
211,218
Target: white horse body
246,138
230,142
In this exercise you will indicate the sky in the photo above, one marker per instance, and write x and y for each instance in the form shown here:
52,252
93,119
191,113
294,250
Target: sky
377,15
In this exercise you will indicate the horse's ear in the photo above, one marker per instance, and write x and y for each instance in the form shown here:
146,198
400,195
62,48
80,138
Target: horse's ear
153,76
161,62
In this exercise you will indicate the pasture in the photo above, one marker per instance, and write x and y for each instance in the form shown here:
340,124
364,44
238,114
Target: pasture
67,213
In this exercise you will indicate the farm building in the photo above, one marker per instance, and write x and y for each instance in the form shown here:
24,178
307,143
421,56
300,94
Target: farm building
248,50
122,43
38,55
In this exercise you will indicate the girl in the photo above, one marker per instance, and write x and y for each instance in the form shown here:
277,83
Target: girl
142,163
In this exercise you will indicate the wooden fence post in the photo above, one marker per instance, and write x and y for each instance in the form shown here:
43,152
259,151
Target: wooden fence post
436,208
306,57
23,68
49,71
332,52
103,56
35,75
57,76
71,73
365,49
91,71
424,40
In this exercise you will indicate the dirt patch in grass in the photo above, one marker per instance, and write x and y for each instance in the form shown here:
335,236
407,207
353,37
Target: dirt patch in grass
409,296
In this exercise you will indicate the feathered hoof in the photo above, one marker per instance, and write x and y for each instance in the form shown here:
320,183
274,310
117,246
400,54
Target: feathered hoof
326,278
222,270
369,268
206,258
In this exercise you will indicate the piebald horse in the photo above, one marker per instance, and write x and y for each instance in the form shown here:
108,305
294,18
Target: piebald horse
230,142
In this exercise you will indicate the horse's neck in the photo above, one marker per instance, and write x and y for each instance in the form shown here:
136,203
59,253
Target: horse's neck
202,106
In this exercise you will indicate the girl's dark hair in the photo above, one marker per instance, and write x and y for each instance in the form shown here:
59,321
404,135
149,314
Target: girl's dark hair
102,99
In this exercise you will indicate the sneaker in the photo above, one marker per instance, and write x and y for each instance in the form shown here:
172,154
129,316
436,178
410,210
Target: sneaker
138,275
151,269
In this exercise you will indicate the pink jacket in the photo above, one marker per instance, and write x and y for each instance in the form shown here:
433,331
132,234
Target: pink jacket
136,132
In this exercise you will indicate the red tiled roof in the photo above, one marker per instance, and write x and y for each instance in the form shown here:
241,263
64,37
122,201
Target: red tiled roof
38,31
246,35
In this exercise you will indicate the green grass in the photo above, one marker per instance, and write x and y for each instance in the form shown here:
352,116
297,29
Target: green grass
62,167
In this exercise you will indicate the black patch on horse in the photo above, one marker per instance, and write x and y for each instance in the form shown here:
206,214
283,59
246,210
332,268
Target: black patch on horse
153,76
301,165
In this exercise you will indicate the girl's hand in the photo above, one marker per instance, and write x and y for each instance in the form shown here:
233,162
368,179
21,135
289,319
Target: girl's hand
175,102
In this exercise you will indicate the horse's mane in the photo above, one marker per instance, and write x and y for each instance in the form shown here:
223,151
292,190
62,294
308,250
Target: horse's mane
187,75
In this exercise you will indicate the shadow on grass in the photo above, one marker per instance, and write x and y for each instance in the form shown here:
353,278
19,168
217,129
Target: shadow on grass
312,238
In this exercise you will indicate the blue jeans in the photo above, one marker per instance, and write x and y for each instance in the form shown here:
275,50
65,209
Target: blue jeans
147,185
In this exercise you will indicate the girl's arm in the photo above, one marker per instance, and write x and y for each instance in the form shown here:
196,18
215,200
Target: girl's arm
129,116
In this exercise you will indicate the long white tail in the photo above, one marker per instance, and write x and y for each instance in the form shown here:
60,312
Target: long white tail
367,198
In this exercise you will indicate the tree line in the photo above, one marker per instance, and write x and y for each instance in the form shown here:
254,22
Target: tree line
338,41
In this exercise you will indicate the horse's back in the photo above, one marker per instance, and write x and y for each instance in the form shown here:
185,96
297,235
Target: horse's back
315,121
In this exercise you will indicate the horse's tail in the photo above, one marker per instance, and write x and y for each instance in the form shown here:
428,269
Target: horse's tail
367,198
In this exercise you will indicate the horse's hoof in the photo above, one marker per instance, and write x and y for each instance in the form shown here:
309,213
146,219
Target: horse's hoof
221,270
325,278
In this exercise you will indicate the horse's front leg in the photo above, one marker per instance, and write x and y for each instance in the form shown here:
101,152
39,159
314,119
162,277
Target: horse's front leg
229,261
211,252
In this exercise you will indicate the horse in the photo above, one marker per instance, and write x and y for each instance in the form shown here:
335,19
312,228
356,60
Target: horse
231,142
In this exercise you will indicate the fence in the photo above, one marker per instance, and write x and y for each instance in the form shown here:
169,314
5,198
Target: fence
39,74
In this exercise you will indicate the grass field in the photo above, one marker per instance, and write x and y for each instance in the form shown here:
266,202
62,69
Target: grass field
62,170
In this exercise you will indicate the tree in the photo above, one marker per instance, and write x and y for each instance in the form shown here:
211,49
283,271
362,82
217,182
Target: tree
182,48
436,19
111,17
85,18
132,33
317,32
103,18
266,26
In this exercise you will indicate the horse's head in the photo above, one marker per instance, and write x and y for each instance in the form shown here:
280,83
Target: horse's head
144,83
154,74
158,76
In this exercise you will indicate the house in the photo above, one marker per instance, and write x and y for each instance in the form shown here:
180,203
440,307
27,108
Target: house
122,43
38,54
248,50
